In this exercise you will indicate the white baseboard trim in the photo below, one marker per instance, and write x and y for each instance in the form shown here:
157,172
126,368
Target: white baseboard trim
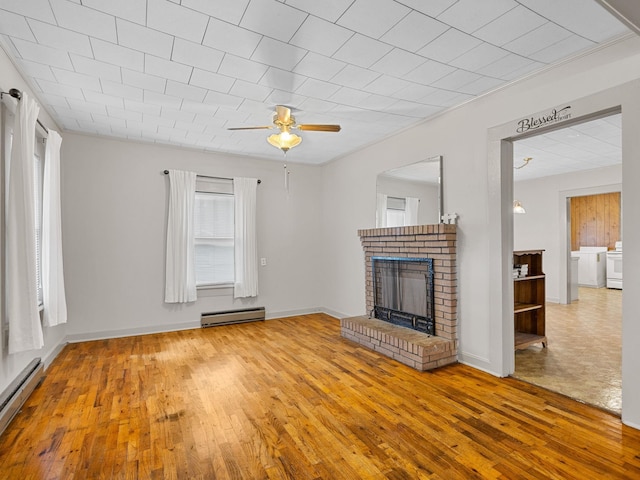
130,332
630,424
53,353
304,311
477,362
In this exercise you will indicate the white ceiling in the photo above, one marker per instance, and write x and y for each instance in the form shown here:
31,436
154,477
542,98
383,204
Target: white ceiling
182,71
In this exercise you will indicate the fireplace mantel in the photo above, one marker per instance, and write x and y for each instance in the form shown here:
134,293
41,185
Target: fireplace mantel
430,241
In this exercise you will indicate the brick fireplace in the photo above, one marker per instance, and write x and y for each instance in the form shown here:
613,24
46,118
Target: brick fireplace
415,349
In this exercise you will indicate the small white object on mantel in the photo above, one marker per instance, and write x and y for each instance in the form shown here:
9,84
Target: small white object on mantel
451,218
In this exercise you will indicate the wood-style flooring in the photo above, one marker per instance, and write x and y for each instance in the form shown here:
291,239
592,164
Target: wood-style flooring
583,358
291,399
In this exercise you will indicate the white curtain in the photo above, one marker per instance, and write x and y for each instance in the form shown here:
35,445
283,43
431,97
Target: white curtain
180,280
53,292
381,210
246,243
411,211
25,330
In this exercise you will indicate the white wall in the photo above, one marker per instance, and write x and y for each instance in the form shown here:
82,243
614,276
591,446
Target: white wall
473,187
114,223
541,227
12,365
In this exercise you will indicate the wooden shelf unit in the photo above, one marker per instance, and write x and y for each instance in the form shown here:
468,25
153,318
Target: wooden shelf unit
529,300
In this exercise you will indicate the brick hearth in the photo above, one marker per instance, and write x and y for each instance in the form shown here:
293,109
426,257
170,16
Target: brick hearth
415,349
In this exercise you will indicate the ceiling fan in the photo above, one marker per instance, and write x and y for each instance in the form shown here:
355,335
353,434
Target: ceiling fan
285,122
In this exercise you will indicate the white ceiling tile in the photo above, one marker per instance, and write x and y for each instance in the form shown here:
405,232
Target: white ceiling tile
349,96
445,98
318,66
85,20
230,38
398,63
317,88
119,90
386,85
362,51
281,97
433,8
470,15
451,44
166,68
455,80
413,92
505,66
131,10
429,72
278,54
222,99
510,26
251,91
188,92
538,39
223,9
74,79
373,18
208,119
103,99
60,38
320,36
242,68
107,120
16,26
377,102
76,113
282,79
563,48
178,115
211,81
54,100
37,70
328,9
273,19
592,22
165,101
478,57
481,85
354,77
93,67
412,109
144,39
62,90
38,9
117,55
194,54
176,20
124,114
414,31
142,107
144,81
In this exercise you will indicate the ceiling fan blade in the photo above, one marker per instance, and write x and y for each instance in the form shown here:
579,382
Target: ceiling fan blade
319,128
251,128
284,113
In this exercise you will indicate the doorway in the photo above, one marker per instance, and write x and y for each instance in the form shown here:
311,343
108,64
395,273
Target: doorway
583,355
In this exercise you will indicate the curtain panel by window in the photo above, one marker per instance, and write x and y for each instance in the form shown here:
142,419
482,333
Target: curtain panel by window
180,280
246,243
53,291
25,331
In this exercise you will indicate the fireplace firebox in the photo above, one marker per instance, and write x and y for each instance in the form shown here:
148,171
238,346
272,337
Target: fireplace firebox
403,292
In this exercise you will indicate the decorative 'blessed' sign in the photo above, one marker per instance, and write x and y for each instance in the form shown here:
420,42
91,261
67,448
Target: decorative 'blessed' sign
554,116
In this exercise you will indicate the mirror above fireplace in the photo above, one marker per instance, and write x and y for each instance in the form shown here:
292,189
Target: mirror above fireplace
410,195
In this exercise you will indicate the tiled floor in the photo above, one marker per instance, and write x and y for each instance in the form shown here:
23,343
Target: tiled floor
584,355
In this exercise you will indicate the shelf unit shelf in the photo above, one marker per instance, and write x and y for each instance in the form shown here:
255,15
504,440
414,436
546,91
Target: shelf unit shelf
529,301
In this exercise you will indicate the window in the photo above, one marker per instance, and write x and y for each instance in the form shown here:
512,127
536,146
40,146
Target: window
214,233
396,212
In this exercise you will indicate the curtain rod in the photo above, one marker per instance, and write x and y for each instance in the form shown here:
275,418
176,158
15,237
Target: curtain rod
166,172
17,94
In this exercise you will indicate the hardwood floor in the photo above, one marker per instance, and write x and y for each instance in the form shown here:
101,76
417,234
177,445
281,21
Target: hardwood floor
583,358
291,399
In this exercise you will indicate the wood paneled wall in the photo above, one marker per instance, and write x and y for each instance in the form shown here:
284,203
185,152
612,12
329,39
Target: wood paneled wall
595,220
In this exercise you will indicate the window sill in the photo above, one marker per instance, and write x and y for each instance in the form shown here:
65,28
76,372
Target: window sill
215,290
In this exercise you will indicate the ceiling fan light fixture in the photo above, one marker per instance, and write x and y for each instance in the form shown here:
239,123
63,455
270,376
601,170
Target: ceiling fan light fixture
284,140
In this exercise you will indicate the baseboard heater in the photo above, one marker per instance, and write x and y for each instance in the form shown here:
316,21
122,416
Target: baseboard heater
18,391
229,317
